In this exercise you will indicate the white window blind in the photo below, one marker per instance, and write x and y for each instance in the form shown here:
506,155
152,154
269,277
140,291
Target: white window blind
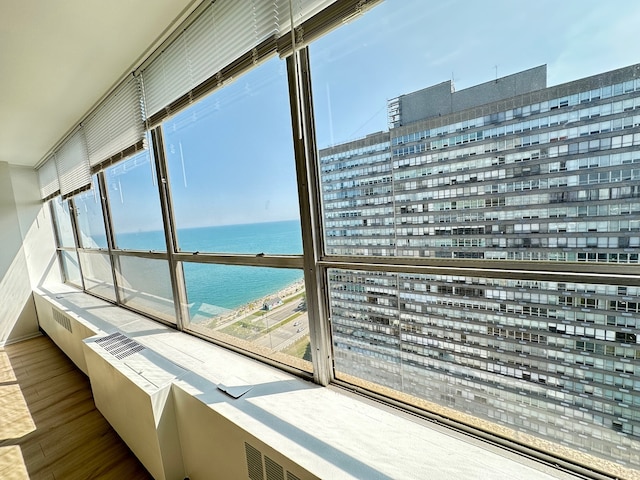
302,10
116,124
72,163
225,31
316,18
48,177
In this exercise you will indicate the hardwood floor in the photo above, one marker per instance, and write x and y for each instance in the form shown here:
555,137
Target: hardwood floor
49,426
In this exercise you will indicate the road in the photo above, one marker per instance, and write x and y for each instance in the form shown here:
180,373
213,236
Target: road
288,333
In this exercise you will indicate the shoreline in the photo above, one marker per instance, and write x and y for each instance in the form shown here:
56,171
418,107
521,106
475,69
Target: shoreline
244,310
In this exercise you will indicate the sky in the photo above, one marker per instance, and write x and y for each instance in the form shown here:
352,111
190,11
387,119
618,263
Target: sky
231,156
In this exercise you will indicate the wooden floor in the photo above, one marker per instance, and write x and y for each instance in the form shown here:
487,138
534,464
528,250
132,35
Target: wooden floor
49,426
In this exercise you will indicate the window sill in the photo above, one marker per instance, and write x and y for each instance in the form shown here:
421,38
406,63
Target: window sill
327,432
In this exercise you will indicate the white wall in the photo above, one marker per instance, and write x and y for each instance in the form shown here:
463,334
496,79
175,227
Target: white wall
26,251
36,227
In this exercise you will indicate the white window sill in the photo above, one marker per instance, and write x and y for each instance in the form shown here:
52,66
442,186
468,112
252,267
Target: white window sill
326,431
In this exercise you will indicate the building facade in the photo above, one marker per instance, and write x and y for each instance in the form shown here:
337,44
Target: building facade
510,171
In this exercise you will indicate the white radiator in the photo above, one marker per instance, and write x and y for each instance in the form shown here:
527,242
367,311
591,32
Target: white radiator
64,329
132,389
215,447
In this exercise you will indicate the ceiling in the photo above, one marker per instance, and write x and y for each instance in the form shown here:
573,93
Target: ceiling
59,57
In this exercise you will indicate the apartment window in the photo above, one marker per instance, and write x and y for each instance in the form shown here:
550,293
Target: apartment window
62,218
97,274
71,267
61,215
231,168
233,188
258,309
144,285
90,217
424,338
135,205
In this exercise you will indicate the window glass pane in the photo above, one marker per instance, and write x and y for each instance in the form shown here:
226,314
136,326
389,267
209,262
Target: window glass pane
145,284
62,218
135,204
437,154
97,273
231,168
90,218
479,349
258,309
424,174
269,237
71,268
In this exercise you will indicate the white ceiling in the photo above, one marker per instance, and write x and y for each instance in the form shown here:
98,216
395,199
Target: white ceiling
59,57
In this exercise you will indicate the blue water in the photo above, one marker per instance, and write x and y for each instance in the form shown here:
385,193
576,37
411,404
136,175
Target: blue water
213,288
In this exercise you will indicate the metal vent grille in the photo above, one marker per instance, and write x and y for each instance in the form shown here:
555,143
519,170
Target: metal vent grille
269,470
254,462
61,319
119,345
274,471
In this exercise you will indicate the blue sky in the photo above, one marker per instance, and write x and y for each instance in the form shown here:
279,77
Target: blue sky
231,156
403,46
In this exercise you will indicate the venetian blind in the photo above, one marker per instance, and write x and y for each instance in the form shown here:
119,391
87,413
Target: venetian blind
312,19
227,38
72,163
48,177
116,125
222,34
301,11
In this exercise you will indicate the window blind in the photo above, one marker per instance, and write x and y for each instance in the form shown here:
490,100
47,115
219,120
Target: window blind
302,10
227,38
72,164
116,125
222,34
48,177
315,18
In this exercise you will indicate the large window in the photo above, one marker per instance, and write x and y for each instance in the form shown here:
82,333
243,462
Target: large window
62,217
446,213
436,174
231,168
71,268
97,274
66,241
90,218
233,188
135,204
258,309
145,285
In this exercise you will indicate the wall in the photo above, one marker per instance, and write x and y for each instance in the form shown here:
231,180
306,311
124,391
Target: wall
26,251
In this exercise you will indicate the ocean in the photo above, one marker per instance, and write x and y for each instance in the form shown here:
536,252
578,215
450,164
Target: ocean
213,289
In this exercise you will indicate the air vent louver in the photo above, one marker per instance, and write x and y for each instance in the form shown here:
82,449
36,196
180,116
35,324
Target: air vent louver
119,345
274,471
61,319
267,470
254,462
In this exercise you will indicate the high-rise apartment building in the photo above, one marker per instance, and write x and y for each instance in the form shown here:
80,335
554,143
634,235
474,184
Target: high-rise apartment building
532,178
